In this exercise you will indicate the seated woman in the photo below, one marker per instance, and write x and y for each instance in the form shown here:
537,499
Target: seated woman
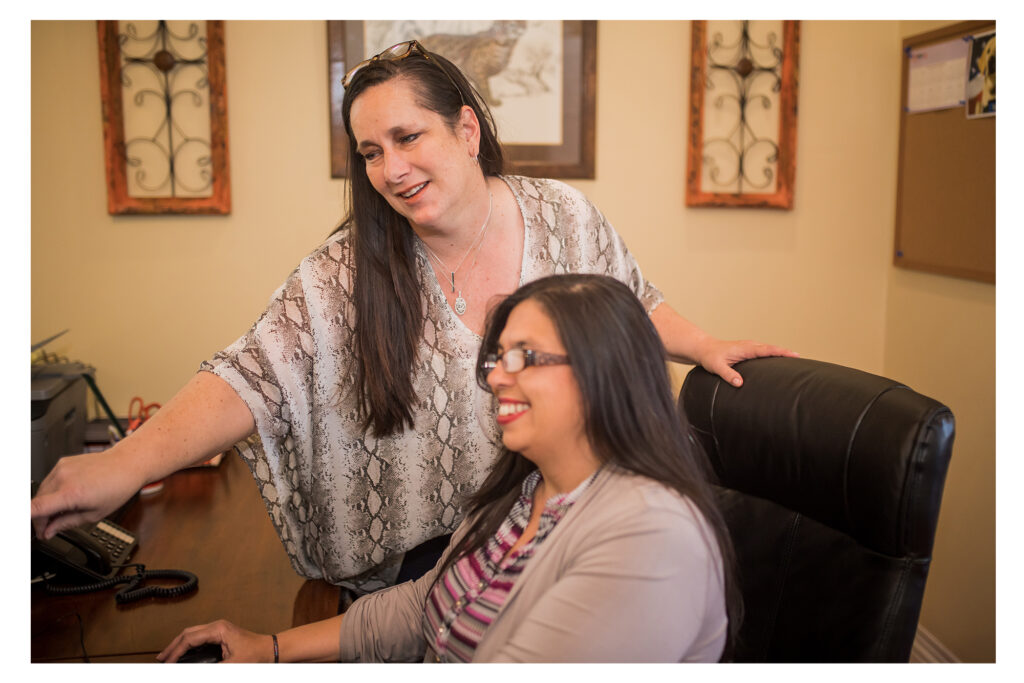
594,538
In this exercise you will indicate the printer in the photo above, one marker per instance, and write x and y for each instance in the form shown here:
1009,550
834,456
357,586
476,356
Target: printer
58,414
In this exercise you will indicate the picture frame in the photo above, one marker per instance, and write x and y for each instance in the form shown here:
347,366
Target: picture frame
759,171
208,187
569,153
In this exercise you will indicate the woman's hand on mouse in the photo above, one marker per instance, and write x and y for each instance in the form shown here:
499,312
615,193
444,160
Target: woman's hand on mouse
237,644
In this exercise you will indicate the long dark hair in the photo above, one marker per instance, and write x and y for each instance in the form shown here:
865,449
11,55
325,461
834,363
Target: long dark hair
630,417
386,289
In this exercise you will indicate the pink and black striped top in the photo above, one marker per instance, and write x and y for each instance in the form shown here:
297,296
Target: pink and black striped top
465,601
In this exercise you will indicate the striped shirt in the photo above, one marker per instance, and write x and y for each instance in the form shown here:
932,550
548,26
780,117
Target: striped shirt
468,597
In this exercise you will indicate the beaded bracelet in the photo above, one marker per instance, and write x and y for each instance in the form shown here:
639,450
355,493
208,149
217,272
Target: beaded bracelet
277,654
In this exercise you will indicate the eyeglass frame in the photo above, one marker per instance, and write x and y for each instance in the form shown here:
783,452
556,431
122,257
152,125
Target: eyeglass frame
411,46
531,357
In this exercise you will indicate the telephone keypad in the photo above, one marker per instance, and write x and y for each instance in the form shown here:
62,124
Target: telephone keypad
118,541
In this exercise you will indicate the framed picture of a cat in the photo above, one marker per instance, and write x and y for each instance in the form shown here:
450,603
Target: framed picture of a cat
538,77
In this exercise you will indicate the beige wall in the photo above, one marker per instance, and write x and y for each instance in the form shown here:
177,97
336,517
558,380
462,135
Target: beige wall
147,298
940,339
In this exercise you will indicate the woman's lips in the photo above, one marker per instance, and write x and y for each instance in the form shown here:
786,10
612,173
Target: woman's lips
509,411
412,191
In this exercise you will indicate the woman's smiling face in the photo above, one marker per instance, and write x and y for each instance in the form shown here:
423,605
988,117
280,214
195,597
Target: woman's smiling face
540,408
414,158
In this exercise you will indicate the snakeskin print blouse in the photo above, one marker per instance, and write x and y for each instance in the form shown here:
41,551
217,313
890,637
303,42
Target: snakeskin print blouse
348,505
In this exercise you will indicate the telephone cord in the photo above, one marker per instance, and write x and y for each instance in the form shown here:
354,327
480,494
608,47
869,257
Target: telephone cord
133,591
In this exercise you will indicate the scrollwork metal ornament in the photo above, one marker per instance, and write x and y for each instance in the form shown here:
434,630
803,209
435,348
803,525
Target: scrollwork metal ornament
165,116
742,141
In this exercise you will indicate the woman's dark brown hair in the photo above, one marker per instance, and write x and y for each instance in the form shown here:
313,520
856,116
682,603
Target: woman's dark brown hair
386,287
630,417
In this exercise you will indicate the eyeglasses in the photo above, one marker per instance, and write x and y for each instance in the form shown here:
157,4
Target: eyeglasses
396,53
516,360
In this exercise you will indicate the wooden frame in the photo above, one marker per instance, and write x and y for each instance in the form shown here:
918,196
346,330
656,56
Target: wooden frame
573,158
785,162
946,180
118,199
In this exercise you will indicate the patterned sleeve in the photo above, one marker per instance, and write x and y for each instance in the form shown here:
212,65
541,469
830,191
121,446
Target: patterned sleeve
270,366
570,234
272,369
621,263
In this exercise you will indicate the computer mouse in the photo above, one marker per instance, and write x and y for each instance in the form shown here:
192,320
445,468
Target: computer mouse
207,653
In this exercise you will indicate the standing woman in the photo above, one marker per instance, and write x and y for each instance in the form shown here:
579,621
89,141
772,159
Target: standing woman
595,538
356,387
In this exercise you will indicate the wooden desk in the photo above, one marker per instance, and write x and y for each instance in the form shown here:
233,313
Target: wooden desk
211,522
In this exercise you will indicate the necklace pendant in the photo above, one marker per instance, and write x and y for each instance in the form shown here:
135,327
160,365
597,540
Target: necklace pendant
460,305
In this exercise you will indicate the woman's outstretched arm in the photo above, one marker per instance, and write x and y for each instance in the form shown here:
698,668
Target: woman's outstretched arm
205,418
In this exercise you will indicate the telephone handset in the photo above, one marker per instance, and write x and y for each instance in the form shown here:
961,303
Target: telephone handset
86,554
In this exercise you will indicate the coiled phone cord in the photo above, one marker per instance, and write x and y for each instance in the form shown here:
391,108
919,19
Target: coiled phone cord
133,591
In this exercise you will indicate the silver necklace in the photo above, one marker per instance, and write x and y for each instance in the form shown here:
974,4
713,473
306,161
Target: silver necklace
460,303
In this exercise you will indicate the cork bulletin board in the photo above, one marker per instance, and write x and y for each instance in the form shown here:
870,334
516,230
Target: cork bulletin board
946,194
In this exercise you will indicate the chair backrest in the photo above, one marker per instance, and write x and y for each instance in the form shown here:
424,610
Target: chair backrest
831,480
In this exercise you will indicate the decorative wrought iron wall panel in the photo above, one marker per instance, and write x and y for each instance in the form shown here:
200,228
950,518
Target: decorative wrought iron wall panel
164,116
743,113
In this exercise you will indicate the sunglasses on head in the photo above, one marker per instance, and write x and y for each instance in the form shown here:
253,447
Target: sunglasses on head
394,54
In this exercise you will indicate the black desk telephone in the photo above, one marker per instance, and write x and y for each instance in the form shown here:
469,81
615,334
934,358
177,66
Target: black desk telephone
86,554
89,557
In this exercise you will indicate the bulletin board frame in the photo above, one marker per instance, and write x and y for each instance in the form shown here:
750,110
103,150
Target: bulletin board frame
945,202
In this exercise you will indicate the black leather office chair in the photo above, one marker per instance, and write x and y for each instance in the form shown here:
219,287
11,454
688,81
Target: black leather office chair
831,483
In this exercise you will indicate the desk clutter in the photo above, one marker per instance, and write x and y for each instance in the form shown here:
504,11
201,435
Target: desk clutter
212,523
60,423
90,557
59,412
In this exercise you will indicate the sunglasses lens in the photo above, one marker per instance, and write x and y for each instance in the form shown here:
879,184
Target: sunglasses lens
397,51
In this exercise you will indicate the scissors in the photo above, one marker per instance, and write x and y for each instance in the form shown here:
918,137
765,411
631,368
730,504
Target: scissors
135,419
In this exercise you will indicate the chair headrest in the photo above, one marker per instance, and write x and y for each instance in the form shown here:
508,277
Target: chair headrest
847,448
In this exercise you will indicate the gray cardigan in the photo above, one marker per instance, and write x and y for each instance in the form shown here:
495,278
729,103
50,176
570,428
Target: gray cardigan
632,573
